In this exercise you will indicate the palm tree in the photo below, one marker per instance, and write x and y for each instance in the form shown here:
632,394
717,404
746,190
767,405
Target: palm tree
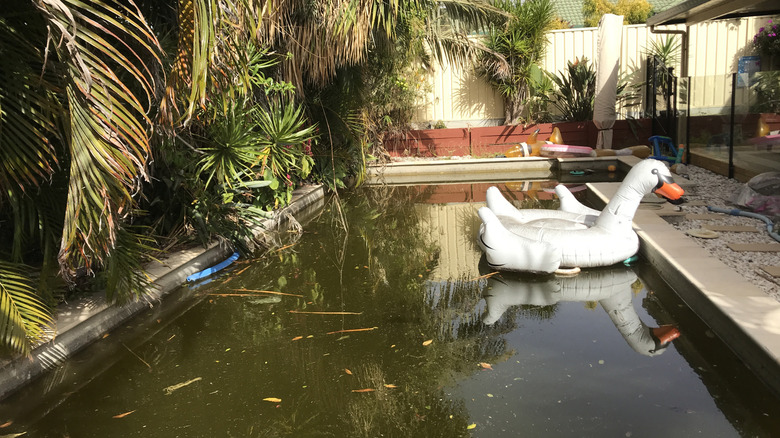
521,41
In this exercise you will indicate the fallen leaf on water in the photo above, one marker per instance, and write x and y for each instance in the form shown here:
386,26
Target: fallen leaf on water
123,415
268,292
471,426
348,371
297,338
428,342
484,276
390,385
352,330
486,366
272,399
364,390
6,424
169,390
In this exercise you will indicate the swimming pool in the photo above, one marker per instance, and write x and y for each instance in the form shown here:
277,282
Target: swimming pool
380,320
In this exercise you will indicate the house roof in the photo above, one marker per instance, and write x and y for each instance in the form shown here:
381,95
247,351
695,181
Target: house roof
696,11
571,10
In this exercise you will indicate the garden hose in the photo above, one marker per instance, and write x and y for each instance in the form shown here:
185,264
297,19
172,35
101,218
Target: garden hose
737,212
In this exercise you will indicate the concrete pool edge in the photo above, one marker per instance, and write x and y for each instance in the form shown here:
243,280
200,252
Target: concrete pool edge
85,320
481,169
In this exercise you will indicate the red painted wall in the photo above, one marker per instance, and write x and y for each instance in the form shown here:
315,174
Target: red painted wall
494,140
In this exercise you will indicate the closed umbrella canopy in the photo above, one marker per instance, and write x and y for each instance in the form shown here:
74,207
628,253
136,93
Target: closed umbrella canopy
607,68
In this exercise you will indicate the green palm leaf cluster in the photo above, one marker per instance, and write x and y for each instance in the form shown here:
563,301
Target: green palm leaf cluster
576,91
520,42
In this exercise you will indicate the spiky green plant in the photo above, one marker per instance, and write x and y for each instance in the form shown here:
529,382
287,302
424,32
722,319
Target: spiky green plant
575,93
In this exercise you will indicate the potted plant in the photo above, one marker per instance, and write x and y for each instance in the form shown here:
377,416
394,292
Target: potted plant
767,43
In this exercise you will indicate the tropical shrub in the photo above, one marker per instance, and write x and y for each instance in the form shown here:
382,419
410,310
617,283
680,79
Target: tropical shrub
520,43
766,87
575,91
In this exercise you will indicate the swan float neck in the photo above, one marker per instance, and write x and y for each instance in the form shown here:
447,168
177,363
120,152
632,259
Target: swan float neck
646,177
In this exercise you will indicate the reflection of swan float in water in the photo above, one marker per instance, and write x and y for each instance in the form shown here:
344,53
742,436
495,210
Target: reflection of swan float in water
611,287
545,240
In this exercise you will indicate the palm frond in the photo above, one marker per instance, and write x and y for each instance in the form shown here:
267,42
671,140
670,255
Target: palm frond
125,275
24,319
108,126
28,109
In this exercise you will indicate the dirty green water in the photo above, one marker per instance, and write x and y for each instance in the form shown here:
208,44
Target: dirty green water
418,342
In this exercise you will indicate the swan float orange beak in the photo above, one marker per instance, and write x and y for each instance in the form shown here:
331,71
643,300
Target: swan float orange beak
665,334
667,188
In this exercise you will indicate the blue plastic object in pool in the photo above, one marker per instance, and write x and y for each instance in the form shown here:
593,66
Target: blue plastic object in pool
216,268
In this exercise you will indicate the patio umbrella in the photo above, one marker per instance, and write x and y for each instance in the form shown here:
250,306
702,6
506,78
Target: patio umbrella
607,68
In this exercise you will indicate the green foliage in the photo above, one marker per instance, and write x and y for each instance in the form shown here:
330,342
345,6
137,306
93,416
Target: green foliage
541,87
520,43
767,91
633,11
24,319
576,89
667,50
97,125
559,23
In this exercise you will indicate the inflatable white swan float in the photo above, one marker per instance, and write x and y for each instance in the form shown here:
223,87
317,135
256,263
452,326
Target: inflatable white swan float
611,287
545,240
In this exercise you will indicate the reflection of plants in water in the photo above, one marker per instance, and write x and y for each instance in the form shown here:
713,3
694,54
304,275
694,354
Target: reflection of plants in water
382,257
300,422
401,411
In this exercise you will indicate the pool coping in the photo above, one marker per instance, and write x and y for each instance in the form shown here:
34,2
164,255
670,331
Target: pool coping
83,321
460,170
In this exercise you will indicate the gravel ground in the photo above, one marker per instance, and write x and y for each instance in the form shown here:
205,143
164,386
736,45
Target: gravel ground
715,190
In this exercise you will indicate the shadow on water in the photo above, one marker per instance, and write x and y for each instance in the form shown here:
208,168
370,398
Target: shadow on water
381,321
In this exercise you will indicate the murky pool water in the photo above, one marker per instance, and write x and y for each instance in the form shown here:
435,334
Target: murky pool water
380,320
